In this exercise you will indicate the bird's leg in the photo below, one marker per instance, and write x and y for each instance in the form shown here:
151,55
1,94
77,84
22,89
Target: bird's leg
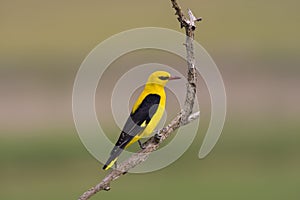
157,137
141,145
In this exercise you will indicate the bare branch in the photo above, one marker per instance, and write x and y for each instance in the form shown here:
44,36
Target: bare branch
150,145
184,22
181,18
190,27
193,19
183,118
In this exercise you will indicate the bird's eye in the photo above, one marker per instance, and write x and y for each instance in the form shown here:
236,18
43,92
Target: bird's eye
163,78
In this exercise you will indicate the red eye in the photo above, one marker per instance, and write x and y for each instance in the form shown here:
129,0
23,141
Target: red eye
163,78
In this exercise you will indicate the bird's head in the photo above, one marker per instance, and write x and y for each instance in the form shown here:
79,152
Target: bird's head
161,78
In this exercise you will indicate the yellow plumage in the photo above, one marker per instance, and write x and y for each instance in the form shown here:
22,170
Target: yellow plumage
145,115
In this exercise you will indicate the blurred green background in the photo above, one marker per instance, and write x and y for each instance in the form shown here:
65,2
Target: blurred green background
256,46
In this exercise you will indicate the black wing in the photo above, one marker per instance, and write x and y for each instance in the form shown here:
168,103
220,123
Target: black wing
143,113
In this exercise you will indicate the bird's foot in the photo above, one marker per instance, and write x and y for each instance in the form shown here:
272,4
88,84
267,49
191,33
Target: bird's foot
141,145
116,165
157,137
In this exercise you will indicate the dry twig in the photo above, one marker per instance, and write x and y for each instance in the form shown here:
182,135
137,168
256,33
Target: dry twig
183,118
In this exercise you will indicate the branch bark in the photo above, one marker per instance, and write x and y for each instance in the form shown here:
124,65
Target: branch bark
183,118
189,26
150,145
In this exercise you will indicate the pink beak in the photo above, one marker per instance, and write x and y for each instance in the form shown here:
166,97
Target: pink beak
174,78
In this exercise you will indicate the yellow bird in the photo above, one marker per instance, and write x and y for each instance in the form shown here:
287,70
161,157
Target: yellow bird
145,115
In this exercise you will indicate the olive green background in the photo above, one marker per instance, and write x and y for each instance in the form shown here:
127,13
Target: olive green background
256,46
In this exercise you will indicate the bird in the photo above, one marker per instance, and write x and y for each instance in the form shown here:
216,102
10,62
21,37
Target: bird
145,114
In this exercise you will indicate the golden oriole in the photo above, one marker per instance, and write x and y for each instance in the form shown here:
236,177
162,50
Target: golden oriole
145,115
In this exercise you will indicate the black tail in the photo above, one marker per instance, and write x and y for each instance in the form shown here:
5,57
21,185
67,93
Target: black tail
123,140
113,157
